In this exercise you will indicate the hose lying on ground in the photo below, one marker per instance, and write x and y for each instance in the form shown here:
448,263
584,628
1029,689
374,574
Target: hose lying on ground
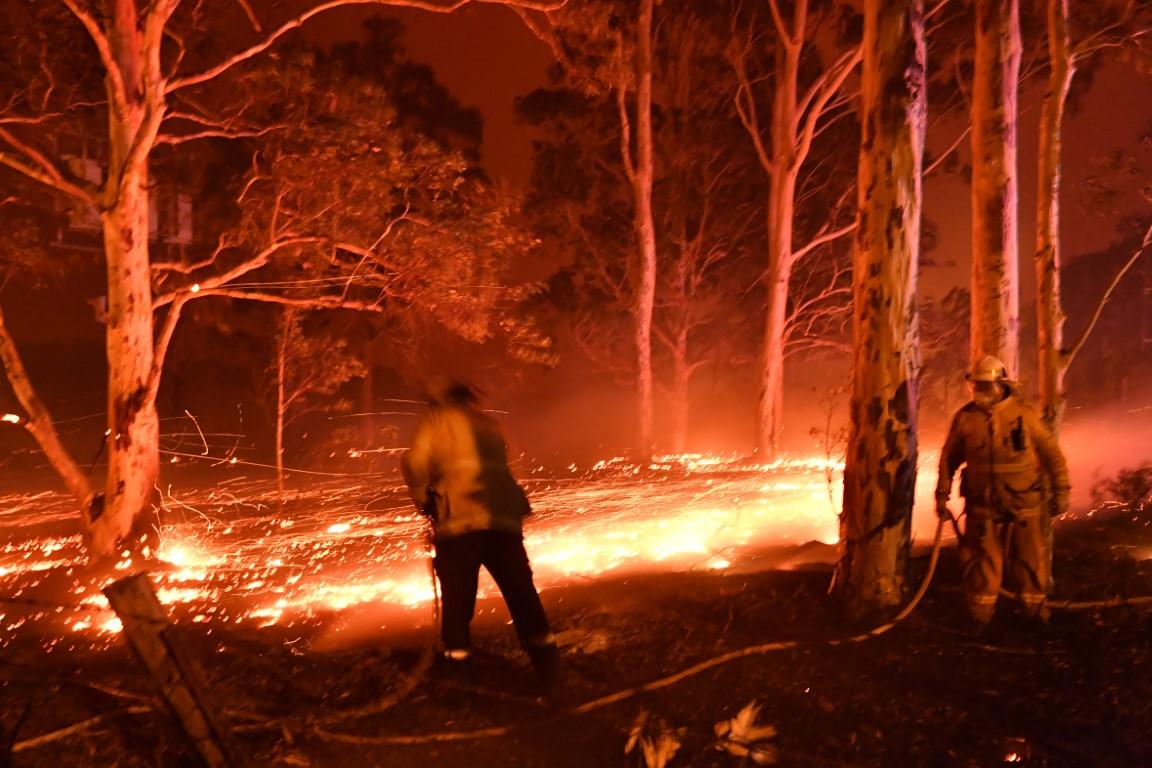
663,682
604,701
716,661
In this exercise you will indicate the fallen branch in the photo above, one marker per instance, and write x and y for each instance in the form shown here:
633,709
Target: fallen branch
71,730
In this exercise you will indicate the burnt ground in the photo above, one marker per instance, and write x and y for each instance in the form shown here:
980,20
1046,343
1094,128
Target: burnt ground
1079,692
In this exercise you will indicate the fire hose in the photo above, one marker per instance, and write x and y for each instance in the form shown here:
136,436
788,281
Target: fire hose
663,682
716,661
422,666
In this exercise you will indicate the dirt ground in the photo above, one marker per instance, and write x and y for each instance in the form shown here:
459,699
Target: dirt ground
1075,693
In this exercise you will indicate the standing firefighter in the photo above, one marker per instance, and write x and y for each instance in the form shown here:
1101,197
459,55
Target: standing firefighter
1014,473
457,472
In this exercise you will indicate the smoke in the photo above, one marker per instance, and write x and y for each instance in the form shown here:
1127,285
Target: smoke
1101,442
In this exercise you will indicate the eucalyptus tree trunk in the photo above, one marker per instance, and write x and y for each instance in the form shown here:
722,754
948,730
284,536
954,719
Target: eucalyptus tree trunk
645,227
133,425
780,215
796,116
282,340
880,472
995,197
1052,359
679,390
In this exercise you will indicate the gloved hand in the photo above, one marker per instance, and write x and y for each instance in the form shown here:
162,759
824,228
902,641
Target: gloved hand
942,510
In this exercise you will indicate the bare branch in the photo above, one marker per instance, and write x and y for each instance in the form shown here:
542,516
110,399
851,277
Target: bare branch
118,93
935,10
745,104
781,27
213,72
251,15
214,133
546,35
825,236
1075,348
807,344
250,265
39,422
951,148
83,725
315,302
162,343
827,86
625,133
45,171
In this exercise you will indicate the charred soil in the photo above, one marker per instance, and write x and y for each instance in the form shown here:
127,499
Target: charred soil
1075,692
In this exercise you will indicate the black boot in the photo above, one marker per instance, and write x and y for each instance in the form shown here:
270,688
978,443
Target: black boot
546,662
455,670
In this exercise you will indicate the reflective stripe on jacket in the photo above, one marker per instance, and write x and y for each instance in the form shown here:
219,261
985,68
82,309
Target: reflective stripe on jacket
1012,462
457,471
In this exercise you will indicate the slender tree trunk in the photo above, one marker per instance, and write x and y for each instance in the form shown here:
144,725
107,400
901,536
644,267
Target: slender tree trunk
995,252
681,380
645,228
281,403
368,431
880,473
1052,361
776,281
781,212
39,421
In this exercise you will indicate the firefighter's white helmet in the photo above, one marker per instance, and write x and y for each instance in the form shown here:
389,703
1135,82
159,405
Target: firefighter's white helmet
990,368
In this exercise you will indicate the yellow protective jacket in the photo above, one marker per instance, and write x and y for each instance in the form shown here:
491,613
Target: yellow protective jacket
457,472
1013,463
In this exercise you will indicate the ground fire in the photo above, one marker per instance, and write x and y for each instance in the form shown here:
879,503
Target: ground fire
239,554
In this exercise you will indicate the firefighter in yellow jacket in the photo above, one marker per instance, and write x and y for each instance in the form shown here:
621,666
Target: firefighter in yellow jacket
1014,474
457,472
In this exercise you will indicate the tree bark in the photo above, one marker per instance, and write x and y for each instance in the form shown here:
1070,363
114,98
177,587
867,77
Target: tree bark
995,198
880,471
781,213
795,120
679,397
281,403
134,430
1052,361
645,227
39,421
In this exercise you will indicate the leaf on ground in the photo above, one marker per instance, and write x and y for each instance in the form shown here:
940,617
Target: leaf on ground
740,734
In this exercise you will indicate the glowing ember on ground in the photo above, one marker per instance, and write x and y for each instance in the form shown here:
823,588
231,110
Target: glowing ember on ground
237,554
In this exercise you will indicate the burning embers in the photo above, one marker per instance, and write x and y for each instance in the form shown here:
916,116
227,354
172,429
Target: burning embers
239,555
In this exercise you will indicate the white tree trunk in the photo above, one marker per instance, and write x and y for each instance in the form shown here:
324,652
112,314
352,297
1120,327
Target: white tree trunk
781,209
1052,360
995,252
281,402
781,213
645,227
134,430
880,472
679,396
133,438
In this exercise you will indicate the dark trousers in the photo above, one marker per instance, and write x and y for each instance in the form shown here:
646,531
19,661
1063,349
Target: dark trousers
457,562
1003,552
